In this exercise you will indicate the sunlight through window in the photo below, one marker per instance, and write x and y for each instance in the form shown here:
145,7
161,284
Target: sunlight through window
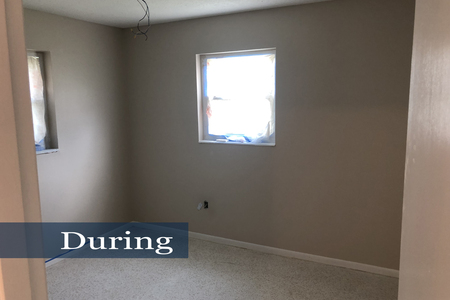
238,97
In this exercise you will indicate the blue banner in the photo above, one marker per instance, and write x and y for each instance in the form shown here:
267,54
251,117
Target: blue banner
94,240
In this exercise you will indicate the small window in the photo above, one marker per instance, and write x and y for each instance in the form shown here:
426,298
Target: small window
43,120
237,97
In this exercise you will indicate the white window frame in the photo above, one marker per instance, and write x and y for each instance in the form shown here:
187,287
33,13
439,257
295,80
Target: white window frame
202,101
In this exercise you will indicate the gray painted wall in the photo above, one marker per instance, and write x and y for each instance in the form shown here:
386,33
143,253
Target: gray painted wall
87,179
333,184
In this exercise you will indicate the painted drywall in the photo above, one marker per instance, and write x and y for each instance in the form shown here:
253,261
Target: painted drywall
333,184
87,179
19,194
11,200
124,14
425,260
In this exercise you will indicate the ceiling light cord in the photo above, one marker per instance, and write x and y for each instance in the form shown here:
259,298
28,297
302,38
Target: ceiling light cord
144,6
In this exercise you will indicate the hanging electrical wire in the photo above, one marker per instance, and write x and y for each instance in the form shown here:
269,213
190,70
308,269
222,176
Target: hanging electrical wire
139,31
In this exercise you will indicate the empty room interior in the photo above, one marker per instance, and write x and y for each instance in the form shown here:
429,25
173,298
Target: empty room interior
292,184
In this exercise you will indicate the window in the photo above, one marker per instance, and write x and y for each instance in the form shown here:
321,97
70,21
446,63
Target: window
44,128
237,97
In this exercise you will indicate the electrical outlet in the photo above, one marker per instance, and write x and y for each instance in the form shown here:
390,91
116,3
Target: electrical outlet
205,204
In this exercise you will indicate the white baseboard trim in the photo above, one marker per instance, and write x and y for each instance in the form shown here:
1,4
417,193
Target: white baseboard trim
272,250
298,255
53,261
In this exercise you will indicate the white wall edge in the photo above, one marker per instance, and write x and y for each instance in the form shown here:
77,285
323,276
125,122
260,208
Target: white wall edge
47,151
299,255
237,143
53,261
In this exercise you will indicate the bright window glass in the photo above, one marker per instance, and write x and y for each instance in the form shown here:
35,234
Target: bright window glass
38,105
238,97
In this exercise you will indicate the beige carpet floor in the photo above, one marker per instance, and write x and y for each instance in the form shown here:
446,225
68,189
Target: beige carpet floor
213,271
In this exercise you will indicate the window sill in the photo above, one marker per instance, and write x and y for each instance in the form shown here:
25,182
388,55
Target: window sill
237,143
47,151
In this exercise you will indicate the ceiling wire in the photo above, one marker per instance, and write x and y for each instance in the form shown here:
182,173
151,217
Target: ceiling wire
139,31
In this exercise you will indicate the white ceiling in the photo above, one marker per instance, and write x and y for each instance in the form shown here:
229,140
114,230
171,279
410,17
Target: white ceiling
126,13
